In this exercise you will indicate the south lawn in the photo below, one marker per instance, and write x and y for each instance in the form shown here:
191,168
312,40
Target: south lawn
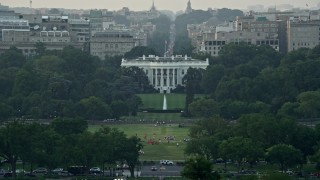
156,133
155,101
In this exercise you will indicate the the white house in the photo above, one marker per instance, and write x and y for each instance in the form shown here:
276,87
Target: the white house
165,73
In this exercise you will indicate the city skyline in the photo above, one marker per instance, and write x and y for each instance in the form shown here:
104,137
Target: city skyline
173,5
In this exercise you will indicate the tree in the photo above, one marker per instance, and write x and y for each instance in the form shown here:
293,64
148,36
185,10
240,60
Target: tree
49,64
204,146
230,109
240,150
68,126
284,155
213,126
40,48
12,142
94,108
192,82
226,14
7,79
309,104
305,140
44,151
131,148
119,108
25,82
133,104
6,111
98,88
204,108
198,168
139,77
262,128
104,142
206,135
211,77
13,57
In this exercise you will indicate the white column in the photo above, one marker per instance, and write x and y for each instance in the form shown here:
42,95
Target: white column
173,81
161,80
156,81
151,79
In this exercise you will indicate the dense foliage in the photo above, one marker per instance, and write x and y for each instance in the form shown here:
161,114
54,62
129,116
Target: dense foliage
67,142
257,105
248,79
68,83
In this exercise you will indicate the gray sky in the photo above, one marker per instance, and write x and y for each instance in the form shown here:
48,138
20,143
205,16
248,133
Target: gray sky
174,5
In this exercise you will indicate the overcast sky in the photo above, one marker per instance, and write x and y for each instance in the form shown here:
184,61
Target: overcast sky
174,5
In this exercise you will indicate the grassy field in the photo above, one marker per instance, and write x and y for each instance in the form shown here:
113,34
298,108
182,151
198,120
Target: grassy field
163,150
155,101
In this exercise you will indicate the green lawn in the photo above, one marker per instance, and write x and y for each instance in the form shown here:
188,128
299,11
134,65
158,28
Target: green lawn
176,101
155,101
163,150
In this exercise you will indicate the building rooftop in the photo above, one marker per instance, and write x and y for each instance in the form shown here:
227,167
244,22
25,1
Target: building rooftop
112,34
153,58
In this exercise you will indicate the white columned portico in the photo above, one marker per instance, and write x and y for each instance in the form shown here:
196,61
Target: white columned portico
165,73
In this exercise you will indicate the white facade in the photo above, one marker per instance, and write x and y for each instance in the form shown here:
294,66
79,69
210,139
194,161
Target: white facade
165,73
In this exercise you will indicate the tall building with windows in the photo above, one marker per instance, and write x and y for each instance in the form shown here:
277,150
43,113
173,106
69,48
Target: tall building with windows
165,73
212,43
111,43
303,33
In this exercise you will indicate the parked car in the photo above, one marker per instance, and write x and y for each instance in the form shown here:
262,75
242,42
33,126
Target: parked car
95,170
154,168
289,172
166,162
20,171
40,171
57,170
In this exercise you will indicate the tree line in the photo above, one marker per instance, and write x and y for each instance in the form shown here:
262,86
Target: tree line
257,107
67,142
68,83
248,79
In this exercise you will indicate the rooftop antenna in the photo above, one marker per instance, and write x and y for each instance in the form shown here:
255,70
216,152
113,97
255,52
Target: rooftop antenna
30,6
